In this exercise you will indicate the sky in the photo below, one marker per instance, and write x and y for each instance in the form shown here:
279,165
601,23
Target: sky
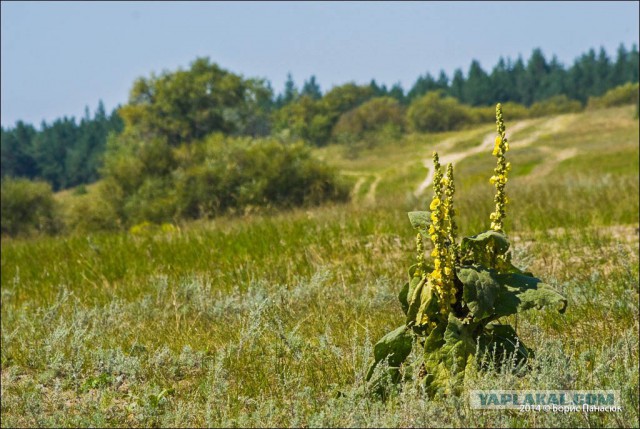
59,57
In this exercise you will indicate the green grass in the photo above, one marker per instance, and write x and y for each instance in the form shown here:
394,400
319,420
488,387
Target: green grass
623,161
270,320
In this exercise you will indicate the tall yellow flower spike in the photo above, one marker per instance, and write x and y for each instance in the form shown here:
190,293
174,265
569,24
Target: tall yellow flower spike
441,276
499,179
449,211
451,232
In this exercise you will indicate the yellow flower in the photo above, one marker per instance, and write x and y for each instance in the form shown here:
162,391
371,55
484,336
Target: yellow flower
447,271
493,180
437,263
496,150
498,140
434,253
434,217
434,204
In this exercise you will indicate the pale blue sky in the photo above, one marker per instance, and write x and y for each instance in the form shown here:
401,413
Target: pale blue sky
58,57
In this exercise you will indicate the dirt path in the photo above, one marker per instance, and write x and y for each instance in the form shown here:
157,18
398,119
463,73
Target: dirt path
486,145
552,161
548,127
362,178
371,195
357,186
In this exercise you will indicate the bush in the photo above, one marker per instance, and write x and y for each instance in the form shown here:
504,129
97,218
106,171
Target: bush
481,114
516,110
214,176
27,207
226,174
90,211
554,106
618,96
433,112
373,116
486,114
304,119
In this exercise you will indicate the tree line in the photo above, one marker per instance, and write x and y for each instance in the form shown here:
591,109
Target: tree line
64,153
188,105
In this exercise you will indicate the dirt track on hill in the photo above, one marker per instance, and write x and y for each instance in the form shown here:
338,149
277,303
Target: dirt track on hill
548,127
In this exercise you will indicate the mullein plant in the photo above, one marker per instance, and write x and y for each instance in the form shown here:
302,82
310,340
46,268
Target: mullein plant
499,180
453,301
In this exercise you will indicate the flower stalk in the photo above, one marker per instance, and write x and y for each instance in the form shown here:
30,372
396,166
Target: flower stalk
441,234
449,214
499,179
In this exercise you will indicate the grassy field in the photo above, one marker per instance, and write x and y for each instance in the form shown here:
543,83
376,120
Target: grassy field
270,320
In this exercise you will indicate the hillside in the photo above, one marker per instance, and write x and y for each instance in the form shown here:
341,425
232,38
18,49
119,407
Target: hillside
269,320
563,144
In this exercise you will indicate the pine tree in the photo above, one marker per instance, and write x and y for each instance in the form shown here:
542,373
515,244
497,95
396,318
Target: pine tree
457,85
311,89
477,89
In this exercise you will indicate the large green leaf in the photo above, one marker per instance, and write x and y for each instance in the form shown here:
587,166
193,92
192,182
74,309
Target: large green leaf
503,265
407,289
428,303
520,292
420,220
458,340
447,352
415,301
403,297
479,292
406,293
412,270
395,346
483,248
435,339
500,342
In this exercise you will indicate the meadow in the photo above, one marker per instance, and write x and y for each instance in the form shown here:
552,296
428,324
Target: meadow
269,320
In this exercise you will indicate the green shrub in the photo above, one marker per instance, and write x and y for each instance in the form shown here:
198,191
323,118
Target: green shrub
618,96
370,118
226,174
516,110
89,212
481,114
27,207
554,106
486,114
217,175
154,201
433,112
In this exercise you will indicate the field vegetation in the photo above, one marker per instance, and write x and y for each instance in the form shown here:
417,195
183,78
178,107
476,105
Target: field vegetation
257,317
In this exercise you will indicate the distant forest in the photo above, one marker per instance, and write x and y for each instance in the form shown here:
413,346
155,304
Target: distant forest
185,106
